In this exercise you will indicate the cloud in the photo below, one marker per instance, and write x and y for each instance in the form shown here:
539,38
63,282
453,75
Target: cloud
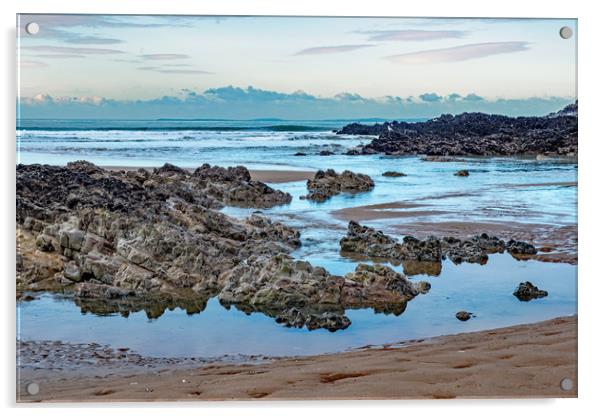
71,50
473,97
414,35
321,50
247,103
24,63
458,53
67,27
169,70
164,56
60,56
430,97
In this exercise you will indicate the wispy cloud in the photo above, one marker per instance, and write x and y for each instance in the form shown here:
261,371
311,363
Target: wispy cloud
414,35
458,53
67,28
60,56
167,70
164,56
25,63
320,50
71,50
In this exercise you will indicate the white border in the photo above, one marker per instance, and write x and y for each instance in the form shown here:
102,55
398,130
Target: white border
589,186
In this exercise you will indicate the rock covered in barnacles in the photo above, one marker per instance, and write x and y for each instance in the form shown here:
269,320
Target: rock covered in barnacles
326,184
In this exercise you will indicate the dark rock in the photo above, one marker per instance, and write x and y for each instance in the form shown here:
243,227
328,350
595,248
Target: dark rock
520,248
464,316
326,153
475,134
326,184
422,256
300,154
526,291
393,174
462,172
138,233
441,159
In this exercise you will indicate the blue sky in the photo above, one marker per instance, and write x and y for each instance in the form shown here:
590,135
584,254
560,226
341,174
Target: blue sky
304,68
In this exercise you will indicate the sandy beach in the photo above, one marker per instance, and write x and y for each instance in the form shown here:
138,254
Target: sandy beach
519,361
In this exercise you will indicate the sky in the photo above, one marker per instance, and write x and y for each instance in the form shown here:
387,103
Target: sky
109,66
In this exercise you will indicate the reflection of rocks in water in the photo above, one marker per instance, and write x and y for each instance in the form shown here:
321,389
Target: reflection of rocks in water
413,268
300,295
153,306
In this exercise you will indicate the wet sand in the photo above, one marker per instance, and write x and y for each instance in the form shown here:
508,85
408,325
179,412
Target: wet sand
269,176
519,361
384,211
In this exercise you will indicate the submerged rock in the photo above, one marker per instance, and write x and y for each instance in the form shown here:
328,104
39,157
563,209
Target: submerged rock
326,184
393,174
526,291
462,172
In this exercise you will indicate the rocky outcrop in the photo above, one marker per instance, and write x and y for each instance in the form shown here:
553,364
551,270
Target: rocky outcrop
526,291
474,134
140,240
300,295
119,234
233,186
326,184
422,255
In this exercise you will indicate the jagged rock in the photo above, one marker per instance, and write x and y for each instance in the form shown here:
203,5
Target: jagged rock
464,316
459,251
520,248
462,172
526,291
298,294
326,184
372,243
233,186
139,232
393,174
474,134
45,243
423,255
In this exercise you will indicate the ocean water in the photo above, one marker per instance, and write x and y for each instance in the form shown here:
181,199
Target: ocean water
503,191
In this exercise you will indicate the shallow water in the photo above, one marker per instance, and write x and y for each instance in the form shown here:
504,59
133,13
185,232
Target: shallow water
484,290
494,192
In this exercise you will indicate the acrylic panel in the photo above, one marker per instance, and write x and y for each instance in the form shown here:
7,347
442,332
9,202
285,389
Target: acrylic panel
273,208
